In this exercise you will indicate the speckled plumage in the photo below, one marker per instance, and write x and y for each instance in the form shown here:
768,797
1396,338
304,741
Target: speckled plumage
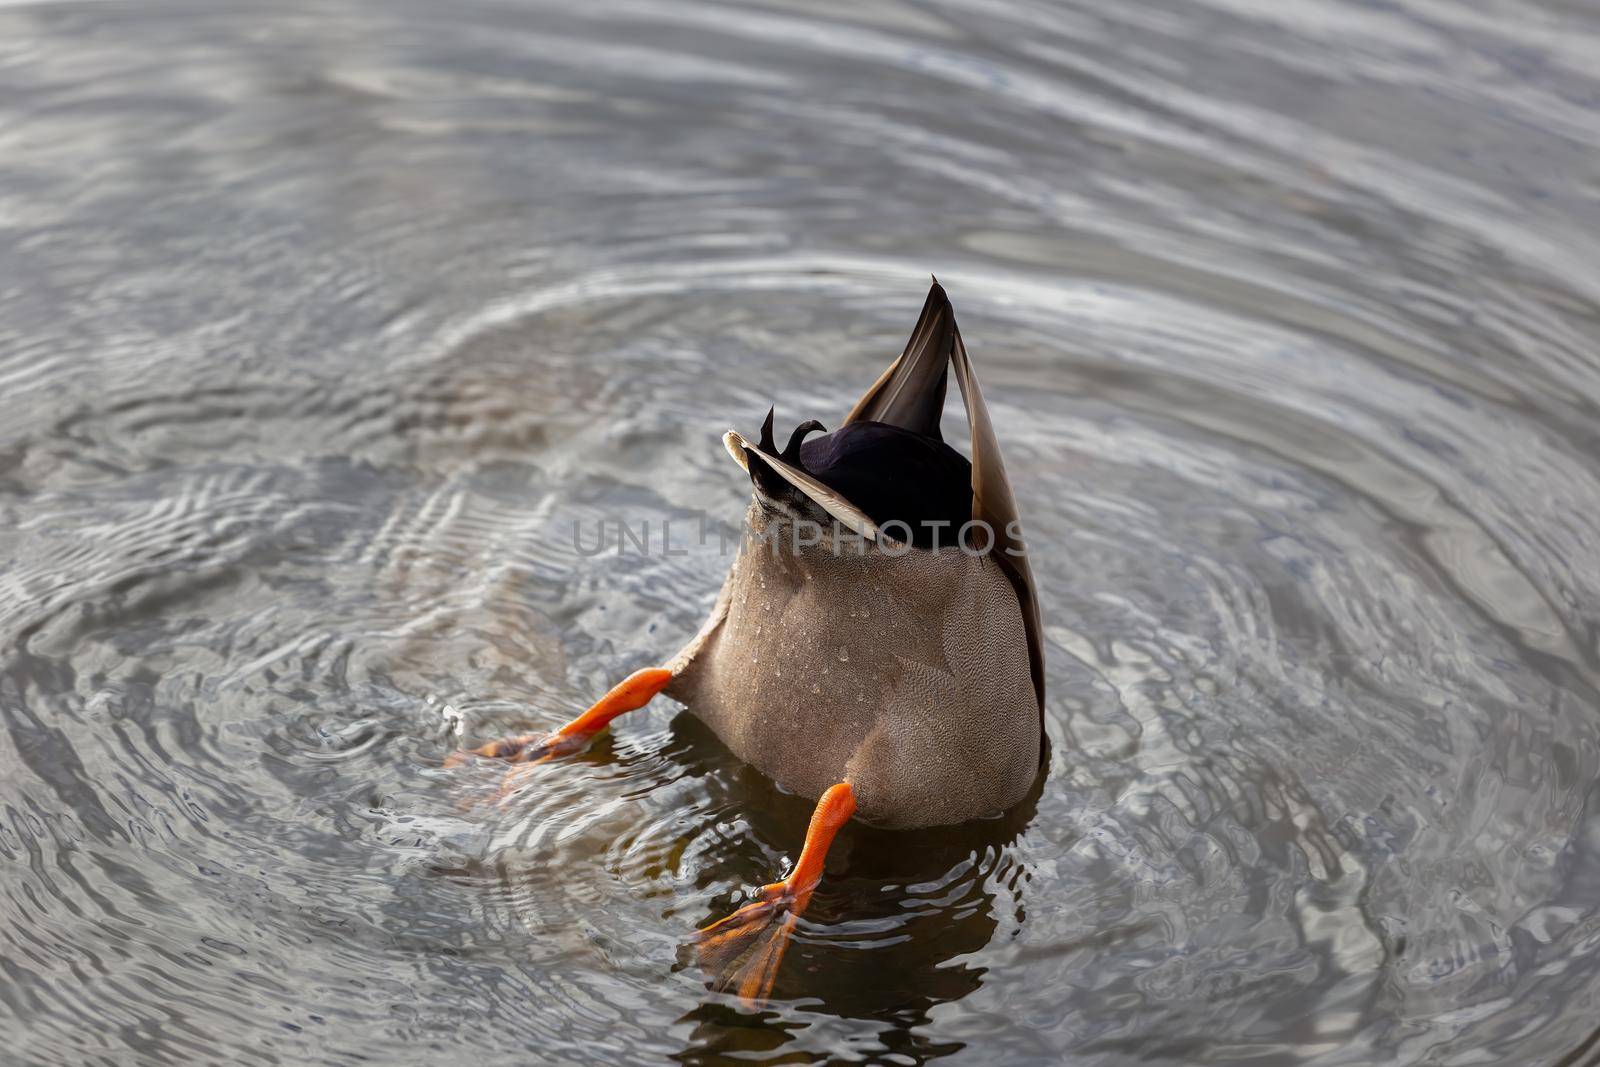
905,675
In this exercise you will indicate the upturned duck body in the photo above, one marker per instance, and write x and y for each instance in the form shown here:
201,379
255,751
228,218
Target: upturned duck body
876,643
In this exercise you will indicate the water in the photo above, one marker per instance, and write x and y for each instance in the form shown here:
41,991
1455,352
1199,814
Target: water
321,325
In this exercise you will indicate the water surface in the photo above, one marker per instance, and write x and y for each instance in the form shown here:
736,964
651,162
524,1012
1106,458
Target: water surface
322,325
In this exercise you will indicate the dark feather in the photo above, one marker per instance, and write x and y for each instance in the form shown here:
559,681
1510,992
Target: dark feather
895,475
791,451
767,444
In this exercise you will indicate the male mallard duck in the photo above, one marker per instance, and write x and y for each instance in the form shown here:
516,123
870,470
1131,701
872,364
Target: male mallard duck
876,643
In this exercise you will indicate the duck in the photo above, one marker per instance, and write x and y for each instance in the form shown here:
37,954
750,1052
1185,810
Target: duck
875,646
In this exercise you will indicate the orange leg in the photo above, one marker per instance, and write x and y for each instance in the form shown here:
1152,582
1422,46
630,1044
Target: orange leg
743,951
633,692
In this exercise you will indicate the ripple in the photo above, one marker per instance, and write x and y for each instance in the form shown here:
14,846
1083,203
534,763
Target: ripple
331,334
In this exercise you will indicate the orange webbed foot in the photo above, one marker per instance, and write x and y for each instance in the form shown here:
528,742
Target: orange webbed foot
528,748
742,952
633,692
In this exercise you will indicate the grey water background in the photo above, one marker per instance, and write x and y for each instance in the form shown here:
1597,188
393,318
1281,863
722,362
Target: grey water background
323,324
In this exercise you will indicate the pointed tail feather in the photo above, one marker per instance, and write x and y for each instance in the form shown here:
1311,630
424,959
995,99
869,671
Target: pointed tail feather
910,394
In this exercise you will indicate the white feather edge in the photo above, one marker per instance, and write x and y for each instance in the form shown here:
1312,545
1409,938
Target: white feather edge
826,499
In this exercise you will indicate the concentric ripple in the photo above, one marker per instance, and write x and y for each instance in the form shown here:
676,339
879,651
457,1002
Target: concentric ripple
333,335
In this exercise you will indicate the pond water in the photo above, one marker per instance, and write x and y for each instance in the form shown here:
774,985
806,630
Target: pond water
324,325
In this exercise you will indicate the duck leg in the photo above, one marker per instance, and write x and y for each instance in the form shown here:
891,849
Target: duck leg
743,951
630,694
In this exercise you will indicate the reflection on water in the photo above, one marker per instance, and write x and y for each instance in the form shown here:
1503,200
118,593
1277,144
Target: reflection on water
321,325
